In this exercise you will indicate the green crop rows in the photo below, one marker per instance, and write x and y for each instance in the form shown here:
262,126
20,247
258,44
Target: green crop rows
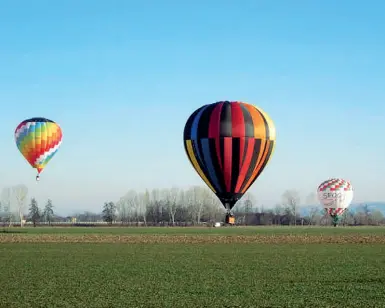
183,274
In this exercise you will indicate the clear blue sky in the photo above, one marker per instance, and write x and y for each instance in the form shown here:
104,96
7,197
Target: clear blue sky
121,78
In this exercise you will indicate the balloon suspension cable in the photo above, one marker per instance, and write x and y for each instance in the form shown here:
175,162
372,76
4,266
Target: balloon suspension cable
229,216
228,210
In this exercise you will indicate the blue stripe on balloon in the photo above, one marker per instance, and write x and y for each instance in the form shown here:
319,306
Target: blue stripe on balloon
194,136
195,123
209,164
21,136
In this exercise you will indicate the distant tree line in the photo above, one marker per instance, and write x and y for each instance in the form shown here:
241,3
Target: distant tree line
198,205
193,206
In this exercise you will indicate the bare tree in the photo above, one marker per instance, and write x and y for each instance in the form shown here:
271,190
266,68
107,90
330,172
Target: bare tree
250,202
314,215
291,200
129,205
206,202
198,204
200,196
189,204
6,198
377,217
348,217
156,206
20,193
326,219
367,214
214,208
171,198
244,209
180,204
278,211
143,205
87,216
121,209
195,198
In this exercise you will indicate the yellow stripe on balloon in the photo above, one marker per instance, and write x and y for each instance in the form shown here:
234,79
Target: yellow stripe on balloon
191,154
270,124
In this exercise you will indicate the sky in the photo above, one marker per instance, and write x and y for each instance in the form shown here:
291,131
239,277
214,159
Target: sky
121,77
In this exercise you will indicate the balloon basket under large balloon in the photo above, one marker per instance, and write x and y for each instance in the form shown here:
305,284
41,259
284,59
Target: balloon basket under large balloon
335,220
230,219
37,178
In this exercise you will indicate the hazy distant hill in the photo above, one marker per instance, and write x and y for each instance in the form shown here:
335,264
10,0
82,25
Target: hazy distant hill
373,206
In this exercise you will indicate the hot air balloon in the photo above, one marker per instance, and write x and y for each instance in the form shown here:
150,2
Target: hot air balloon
229,144
335,196
38,140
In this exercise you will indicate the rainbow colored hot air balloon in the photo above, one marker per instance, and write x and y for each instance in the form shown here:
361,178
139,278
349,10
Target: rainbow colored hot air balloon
38,140
229,144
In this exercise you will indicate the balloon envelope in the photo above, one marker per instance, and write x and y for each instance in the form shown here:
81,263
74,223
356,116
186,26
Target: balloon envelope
229,144
38,140
335,195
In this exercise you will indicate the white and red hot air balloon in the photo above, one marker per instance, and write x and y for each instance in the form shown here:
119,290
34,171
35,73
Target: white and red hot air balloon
335,196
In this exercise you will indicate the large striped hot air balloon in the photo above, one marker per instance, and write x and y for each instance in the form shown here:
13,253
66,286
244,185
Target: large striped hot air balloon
335,196
229,144
38,140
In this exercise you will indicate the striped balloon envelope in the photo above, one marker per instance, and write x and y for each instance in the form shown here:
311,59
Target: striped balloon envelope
229,145
38,140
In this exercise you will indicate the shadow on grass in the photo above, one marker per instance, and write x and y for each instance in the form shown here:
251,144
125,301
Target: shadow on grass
12,231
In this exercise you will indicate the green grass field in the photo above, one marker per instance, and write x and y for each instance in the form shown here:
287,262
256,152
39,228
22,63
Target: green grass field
266,230
224,268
